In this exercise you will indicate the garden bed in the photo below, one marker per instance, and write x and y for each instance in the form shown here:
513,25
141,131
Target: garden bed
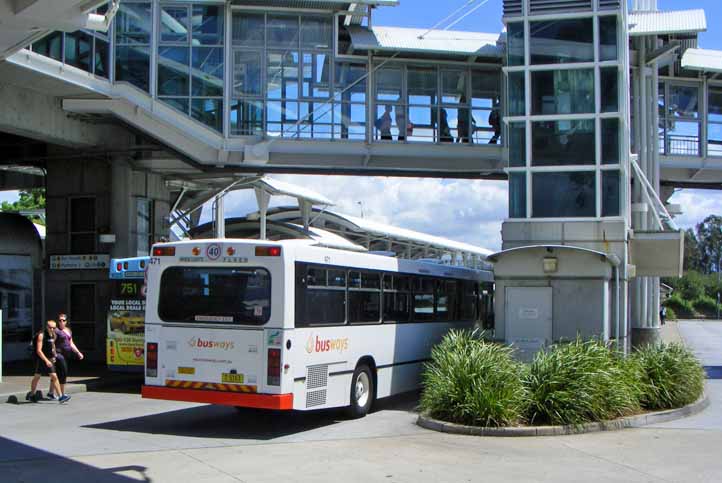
636,421
570,387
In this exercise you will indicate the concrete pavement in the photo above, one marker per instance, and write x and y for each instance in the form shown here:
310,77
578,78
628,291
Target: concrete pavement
118,437
83,376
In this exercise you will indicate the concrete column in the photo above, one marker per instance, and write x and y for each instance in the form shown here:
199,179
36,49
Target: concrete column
121,215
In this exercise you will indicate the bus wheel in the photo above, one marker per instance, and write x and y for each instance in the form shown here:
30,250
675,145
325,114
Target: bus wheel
362,392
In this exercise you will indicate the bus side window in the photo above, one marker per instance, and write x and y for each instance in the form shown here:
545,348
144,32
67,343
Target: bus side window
320,296
364,299
397,298
423,288
468,301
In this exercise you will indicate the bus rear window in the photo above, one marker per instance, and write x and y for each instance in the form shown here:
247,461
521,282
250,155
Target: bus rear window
215,295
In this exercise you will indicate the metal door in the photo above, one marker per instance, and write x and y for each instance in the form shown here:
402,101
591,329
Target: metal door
528,319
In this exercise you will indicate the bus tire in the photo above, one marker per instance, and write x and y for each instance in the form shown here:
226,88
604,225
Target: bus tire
362,392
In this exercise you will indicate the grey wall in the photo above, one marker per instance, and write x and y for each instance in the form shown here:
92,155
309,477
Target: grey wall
581,289
115,187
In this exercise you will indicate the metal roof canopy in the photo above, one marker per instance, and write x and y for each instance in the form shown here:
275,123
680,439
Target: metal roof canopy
670,22
612,259
192,196
449,42
704,60
380,237
250,228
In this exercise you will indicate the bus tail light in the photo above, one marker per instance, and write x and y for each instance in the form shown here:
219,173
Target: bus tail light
119,267
274,367
151,359
163,251
268,251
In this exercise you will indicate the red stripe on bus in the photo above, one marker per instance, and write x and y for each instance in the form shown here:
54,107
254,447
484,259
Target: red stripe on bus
225,398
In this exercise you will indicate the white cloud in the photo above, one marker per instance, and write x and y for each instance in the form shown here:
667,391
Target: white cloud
470,211
696,206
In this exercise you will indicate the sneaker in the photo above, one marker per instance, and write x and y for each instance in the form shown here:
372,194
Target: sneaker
30,396
64,398
52,396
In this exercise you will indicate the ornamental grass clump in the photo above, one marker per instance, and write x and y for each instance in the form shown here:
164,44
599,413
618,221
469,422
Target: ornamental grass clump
670,374
581,381
474,382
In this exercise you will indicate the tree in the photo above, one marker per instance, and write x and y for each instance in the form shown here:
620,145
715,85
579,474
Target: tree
691,251
29,201
709,236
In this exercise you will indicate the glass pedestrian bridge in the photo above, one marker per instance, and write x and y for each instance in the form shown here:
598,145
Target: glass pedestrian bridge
312,86
289,83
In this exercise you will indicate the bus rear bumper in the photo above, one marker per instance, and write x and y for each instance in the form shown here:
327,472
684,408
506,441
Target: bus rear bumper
248,400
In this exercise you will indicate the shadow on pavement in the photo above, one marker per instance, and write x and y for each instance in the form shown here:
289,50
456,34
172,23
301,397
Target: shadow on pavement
20,462
244,423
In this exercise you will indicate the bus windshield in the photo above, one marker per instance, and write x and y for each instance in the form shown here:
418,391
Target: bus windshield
216,295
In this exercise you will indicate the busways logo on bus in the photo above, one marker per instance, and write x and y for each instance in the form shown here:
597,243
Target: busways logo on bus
316,344
201,343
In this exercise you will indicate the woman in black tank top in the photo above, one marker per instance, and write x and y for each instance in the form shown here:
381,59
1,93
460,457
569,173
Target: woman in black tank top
45,356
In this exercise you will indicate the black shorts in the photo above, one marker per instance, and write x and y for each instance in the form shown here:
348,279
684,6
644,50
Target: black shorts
61,368
42,369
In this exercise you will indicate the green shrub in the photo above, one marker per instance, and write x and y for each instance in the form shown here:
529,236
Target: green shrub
691,286
671,376
681,307
471,381
671,314
579,382
706,305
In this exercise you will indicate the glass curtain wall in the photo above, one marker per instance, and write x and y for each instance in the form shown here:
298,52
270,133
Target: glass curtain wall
283,79
714,121
573,168
190,61
679,119
437,104
85,49
133,30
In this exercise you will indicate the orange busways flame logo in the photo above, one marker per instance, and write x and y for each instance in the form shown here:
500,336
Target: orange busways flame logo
200,343
315,344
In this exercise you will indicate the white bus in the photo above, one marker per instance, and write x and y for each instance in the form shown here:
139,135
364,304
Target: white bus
288,325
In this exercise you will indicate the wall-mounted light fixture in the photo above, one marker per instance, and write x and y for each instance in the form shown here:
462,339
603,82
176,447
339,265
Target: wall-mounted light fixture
550,265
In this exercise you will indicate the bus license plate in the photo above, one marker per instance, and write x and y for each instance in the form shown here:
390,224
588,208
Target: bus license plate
232,378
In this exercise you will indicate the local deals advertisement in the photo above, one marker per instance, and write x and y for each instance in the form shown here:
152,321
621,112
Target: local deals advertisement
126,323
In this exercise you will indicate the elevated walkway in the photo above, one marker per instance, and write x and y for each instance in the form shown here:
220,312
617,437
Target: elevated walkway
203,149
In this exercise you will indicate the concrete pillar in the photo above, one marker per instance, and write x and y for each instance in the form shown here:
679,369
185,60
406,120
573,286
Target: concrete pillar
121,220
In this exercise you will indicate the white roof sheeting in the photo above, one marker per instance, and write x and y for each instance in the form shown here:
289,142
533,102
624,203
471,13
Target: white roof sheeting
359,229
279,188
332,240
451,42
383,229
671,22
702,59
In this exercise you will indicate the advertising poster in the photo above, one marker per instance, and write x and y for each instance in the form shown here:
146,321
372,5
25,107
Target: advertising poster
126,323
16,297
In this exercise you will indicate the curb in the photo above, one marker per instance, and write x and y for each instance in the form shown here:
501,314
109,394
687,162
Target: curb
626,422
77,387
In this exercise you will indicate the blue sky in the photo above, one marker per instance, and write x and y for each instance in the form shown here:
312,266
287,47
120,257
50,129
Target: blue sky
424,13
